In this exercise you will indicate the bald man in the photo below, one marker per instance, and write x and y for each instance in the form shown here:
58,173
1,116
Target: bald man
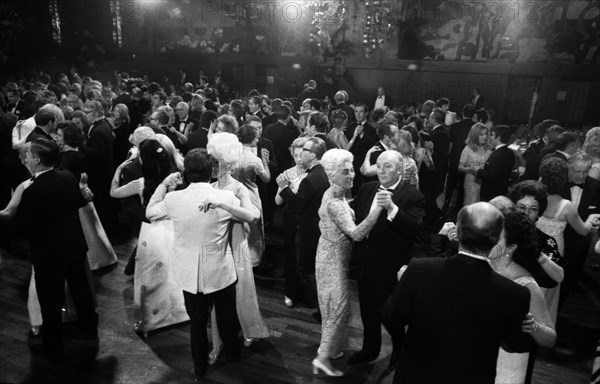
458,310
386,249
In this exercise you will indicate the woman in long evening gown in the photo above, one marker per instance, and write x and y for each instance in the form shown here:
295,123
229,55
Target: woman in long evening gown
560,212
100,251
338,230
250,166
226,149
157,298
295,175
518,240
473,158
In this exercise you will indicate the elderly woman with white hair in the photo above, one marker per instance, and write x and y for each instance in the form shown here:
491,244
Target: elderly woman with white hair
227,150
338,230
591,146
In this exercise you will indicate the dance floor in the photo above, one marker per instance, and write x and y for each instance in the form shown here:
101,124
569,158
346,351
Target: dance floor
120,356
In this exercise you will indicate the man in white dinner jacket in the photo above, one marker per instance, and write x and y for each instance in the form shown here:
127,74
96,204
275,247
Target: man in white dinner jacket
200,267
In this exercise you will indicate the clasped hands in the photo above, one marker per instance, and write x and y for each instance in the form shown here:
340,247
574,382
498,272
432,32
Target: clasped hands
384,200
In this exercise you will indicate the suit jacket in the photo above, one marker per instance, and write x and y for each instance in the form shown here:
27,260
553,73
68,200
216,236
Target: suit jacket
575,244
328,143
495,174
387,248
479,103
49,213
189,120
439,299
282,136
200,261
38,133
197,139
554,154
441,149
533,159
387,101
98,153
307,202
458,135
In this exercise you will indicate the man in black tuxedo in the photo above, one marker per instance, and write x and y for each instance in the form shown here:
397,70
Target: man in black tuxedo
364,140
458,310
533,154
16,105
184,123
282,134
49,213
458,135
45,124
316,126
98,153
495,174
565,145
161,119
386,249
478,100
382,100
584,192
441,152
307,202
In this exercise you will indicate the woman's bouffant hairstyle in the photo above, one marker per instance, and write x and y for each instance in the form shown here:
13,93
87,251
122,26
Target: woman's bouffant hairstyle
339,118
72,134
156,166
531,188
591,146
553,174
473,137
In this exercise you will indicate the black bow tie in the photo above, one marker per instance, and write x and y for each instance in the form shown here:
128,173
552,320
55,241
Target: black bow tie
381,188
571,185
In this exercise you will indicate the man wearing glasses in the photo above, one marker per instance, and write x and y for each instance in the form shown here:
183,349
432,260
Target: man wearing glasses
308,201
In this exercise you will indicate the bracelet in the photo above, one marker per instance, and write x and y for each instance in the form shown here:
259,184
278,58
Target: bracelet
544,259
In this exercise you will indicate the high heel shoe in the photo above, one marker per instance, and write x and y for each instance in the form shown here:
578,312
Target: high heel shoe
213,356
319,366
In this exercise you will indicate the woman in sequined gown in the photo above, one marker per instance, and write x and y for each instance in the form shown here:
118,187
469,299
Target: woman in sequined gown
338,230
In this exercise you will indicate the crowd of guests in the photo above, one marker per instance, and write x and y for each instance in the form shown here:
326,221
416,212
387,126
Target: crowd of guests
197,179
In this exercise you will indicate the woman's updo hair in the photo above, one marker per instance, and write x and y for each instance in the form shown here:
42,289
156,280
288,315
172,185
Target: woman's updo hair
553,174
333,160
72,134
156,166
339,118
519,230
224,147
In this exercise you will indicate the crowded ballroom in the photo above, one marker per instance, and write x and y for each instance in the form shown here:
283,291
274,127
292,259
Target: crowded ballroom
300,191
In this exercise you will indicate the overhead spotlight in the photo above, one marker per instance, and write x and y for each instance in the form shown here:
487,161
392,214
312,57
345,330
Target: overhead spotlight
296,66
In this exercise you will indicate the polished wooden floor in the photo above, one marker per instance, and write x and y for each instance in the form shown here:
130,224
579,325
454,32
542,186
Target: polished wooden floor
121,356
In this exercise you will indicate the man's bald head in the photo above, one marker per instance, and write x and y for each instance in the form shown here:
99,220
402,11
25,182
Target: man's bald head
479,227
389,168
